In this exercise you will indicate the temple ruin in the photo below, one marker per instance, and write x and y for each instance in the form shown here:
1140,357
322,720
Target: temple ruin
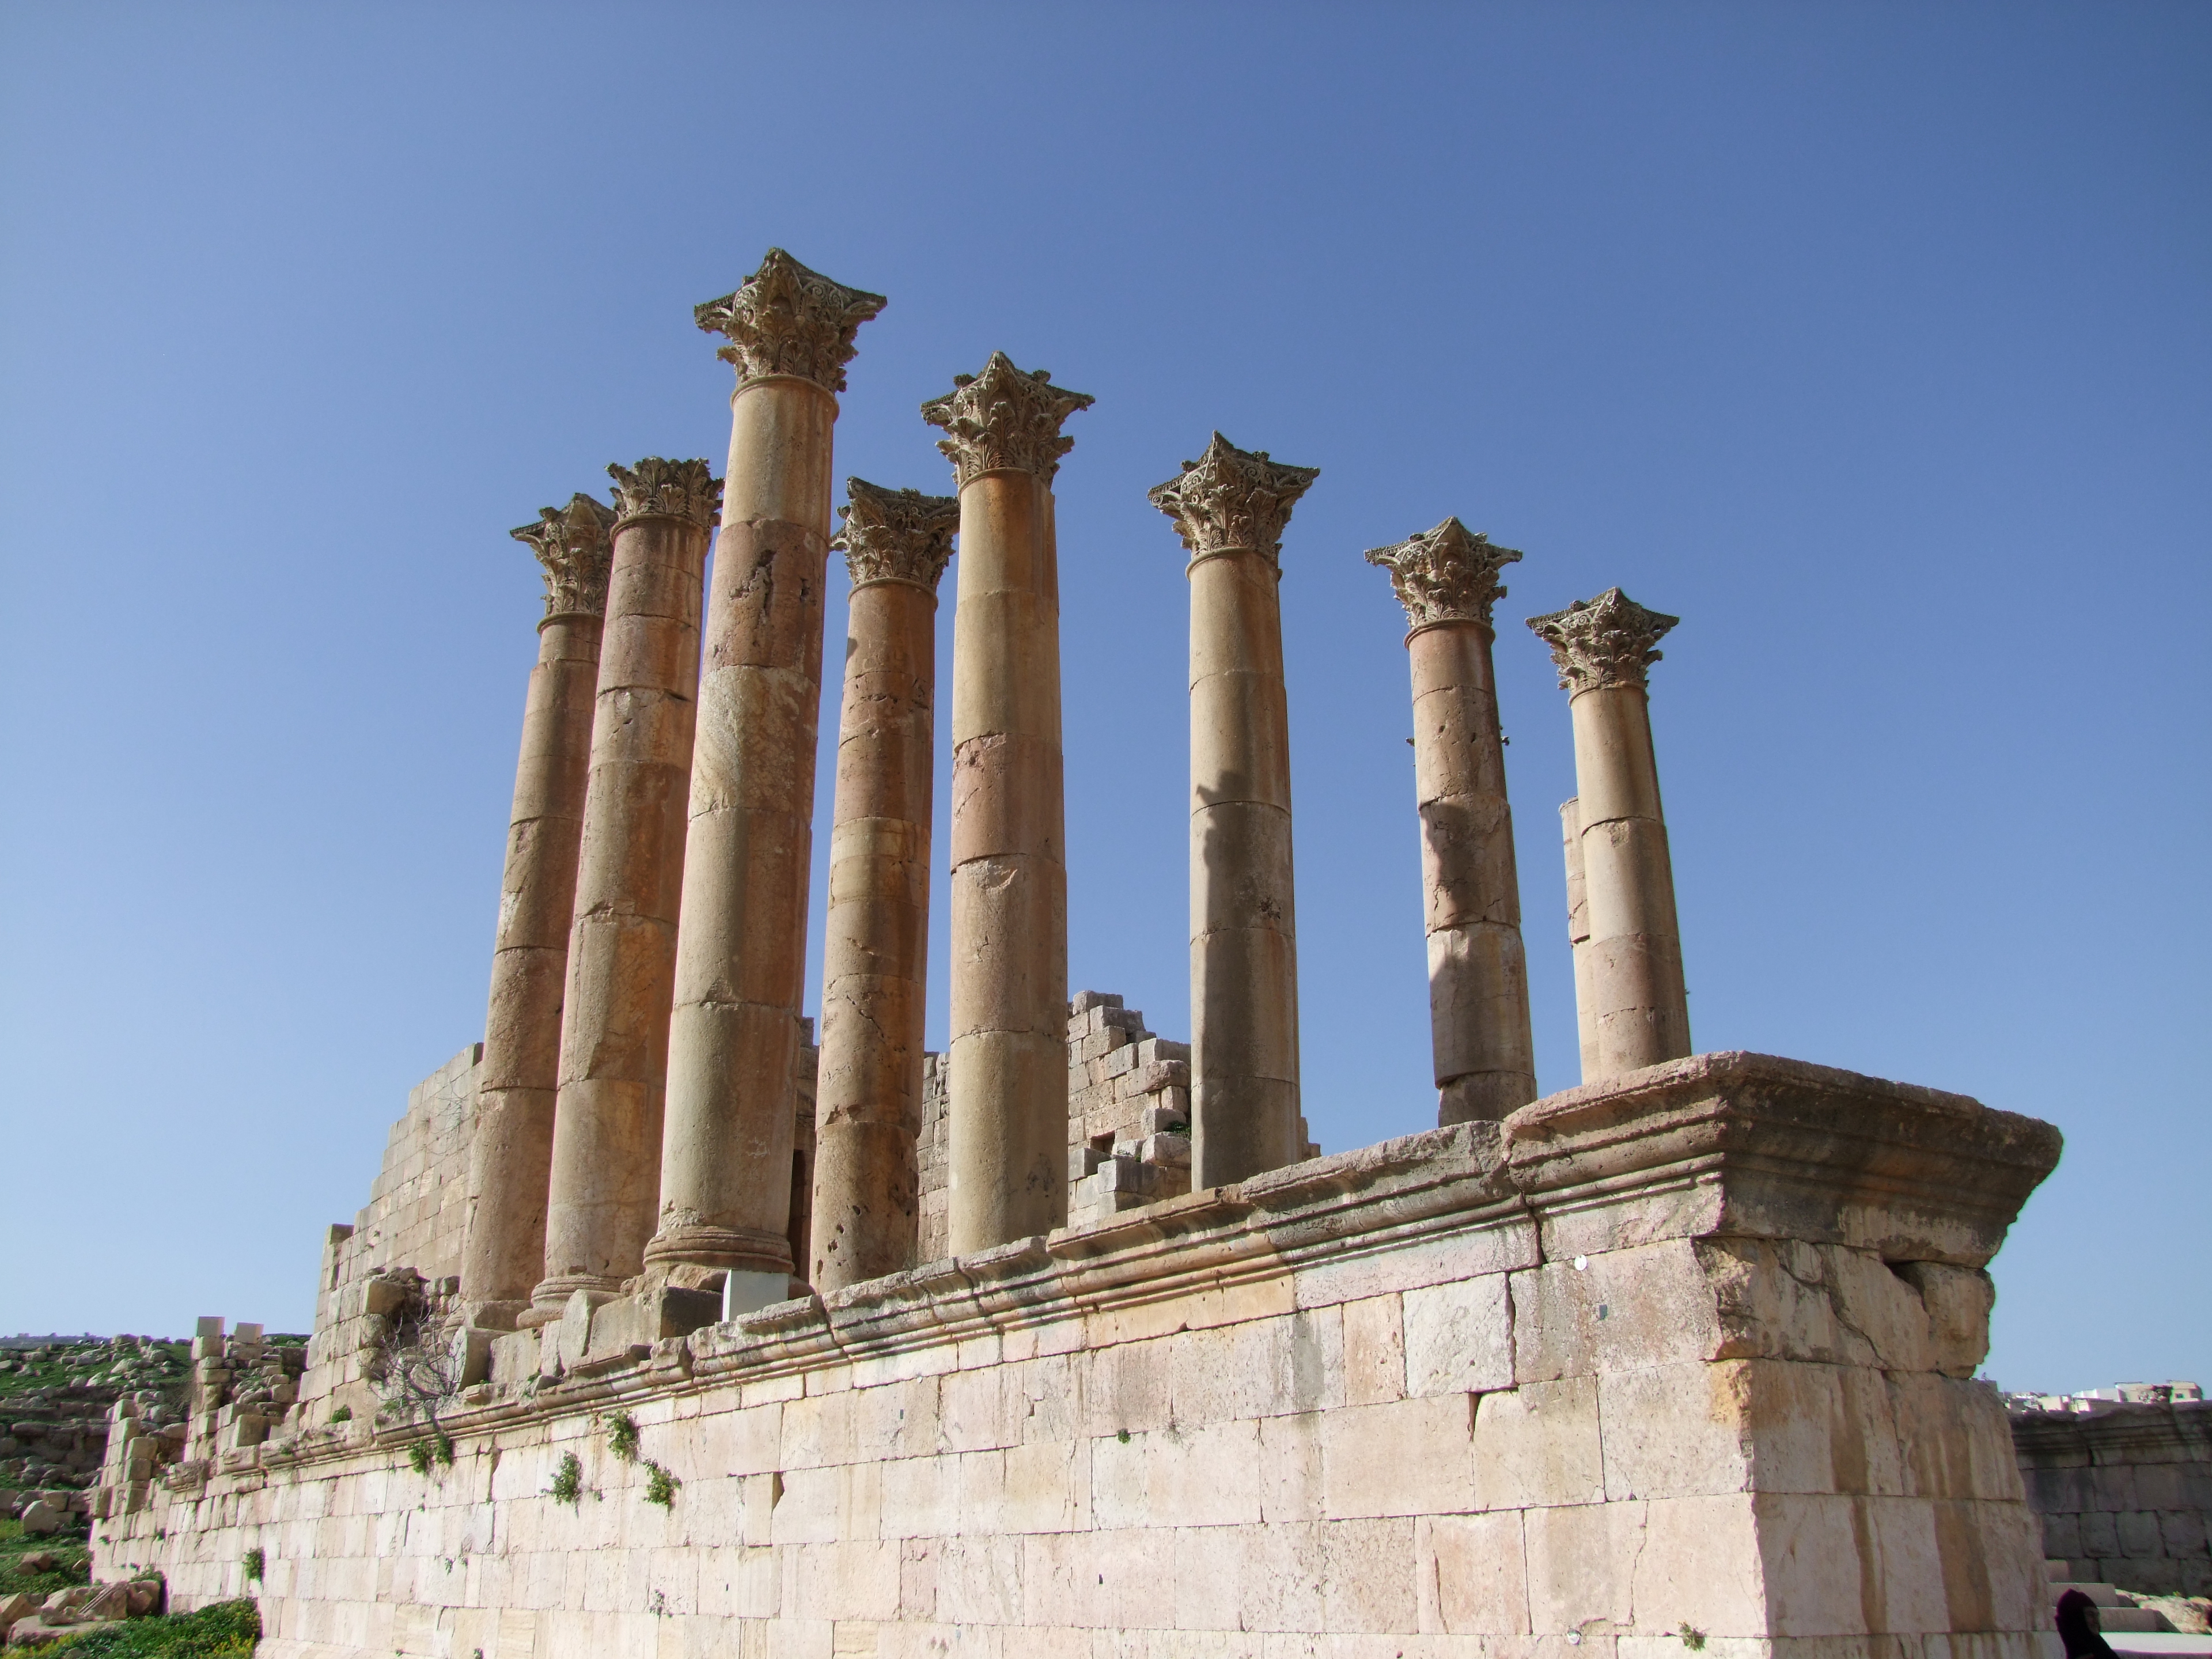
670,1329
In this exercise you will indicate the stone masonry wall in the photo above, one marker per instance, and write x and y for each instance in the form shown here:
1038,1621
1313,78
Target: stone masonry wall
1680,1360
410,1229
2124,1492
1129,1119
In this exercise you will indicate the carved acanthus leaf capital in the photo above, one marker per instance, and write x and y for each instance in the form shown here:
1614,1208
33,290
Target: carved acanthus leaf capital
571,542
1446,574
896,535
658,489
786,320
1602,643
1004,419
1232,498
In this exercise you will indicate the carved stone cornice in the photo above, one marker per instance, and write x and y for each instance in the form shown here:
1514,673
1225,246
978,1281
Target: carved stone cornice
896,535
1446,574
1232,499
572,544
1602,643
657,489
786,320
1004,419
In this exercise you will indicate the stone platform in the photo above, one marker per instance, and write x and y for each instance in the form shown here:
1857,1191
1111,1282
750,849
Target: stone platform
1680,1362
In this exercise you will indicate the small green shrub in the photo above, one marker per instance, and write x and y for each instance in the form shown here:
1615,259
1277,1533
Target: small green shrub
622,1435
343,1414
418,1457
227,1630
661,1485
443,1448
256,1561
1692,1638
568,1479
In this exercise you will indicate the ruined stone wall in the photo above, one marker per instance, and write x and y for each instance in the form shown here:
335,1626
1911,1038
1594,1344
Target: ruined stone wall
2124,1492
1681,1359
417,1207
1129,1119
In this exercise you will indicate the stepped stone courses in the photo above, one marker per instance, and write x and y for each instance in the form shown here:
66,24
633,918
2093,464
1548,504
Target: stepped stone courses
1099,1354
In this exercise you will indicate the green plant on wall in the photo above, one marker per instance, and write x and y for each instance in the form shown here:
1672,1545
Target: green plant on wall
622,1435
661,1485
568,1479
255,1562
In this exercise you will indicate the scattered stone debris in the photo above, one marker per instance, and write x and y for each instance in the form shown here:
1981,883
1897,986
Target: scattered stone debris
238,1388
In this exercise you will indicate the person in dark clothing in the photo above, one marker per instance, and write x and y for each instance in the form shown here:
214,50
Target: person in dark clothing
2077,1628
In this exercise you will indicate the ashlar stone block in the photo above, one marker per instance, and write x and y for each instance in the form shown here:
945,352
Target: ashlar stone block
1539,1446
1458,1336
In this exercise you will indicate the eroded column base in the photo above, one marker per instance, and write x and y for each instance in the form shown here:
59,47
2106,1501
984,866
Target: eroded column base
749,1250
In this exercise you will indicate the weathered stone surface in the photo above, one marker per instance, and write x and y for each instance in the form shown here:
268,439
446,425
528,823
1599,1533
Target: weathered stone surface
867,1204
1628,967
727,1170
1230,508
1482,1045
510,1156
1006,1153
622,947
1204,1417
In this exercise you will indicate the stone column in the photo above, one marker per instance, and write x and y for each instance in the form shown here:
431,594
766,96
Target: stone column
622,949
1007,1099
1486,1064
741,954
510,1156
1637,1006
1570,834
1230,506
876,943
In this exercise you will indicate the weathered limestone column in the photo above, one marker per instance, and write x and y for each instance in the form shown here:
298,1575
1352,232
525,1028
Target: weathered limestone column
741,954
1230,506
510,1156
1007,1105
622,949
1636,999
1484,1051
876,944
1570,834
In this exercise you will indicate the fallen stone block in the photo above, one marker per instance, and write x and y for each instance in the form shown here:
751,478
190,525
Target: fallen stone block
41,1518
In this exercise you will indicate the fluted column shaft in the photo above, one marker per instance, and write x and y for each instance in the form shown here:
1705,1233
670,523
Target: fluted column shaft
1229,508
875,944
510,1156
1478,1022
622,947
741,957
1447,579
1638,1008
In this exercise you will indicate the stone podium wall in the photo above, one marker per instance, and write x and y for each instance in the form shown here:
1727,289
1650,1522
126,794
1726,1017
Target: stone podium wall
2124,1491
1679,1360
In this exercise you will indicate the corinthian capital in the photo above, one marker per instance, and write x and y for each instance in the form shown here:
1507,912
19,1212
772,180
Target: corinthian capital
786,320
655,488
571,543
1446,574
1004,419
1232,498
896,535
1602,643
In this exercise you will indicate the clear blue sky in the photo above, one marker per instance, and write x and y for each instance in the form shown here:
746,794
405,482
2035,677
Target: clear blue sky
1872,340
